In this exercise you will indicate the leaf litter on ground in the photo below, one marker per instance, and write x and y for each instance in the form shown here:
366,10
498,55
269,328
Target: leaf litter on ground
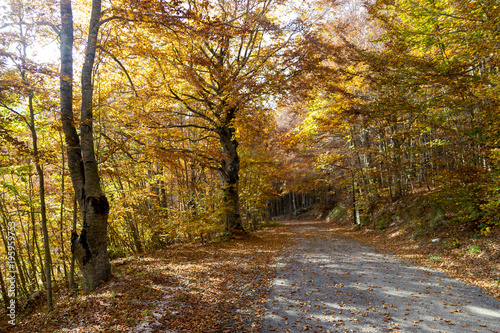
218,287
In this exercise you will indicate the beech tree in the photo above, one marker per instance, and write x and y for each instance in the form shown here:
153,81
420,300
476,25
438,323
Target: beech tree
90,247
211,65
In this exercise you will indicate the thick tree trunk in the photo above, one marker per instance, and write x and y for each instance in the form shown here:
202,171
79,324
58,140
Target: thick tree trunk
230,174
90,247
231,200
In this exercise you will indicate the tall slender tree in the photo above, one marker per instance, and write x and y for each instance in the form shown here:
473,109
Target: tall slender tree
20,30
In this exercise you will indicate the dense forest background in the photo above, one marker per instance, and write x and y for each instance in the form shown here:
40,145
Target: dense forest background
212,117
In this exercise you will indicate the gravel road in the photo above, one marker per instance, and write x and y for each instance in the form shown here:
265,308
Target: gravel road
328,283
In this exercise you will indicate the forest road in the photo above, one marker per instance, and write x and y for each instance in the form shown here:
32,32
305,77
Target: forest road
329,283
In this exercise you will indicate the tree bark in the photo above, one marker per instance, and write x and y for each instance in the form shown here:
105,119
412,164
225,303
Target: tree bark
90,247
230,169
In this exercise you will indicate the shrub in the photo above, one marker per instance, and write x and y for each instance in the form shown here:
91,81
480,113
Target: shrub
434,258
473,249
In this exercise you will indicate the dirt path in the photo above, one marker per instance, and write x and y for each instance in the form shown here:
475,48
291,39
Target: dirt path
328,283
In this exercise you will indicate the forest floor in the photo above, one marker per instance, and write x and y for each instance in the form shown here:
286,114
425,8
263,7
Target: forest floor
223,286
215,287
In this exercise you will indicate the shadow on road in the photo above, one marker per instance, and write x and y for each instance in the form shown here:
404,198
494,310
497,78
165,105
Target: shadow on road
330,283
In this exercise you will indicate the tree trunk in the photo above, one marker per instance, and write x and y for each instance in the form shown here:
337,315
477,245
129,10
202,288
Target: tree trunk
61,211
43,208
72,284
230,173
5,295
90,247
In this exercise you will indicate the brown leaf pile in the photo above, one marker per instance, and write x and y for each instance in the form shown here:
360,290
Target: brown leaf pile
219,287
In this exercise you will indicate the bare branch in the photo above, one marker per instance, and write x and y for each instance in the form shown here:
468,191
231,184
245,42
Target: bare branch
121,66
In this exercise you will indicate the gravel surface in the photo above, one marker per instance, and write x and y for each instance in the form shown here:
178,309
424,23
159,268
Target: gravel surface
328,283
